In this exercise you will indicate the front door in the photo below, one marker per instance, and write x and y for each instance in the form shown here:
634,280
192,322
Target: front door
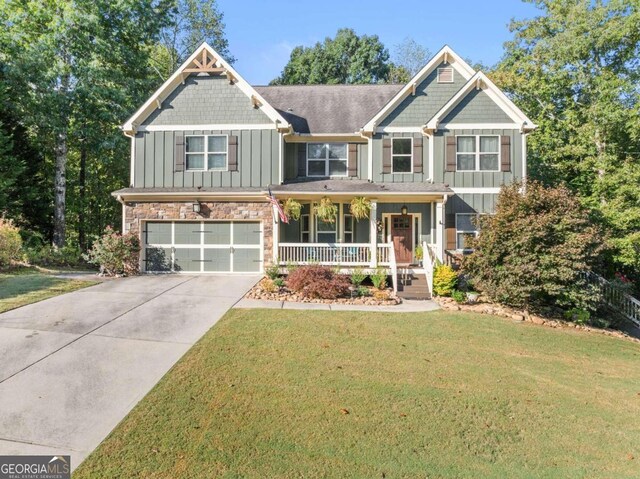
401,236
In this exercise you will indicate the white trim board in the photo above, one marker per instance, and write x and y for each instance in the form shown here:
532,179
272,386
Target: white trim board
479,126
177,78
479,190
445,54
218,126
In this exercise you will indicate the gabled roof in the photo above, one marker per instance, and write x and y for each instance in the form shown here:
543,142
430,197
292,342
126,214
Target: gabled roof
447,55
204,60
481,81
324,109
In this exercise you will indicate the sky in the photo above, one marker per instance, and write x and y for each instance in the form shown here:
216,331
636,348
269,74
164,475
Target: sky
262,33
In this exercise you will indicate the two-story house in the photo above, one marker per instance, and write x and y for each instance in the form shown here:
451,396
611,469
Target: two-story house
208,148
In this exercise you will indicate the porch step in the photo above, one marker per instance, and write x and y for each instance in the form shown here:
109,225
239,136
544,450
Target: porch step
412,286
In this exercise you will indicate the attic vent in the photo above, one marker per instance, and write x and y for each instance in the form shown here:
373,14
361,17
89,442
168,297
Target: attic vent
445,75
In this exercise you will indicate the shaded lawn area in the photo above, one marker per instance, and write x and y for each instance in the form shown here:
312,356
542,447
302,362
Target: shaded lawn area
265,394
26,285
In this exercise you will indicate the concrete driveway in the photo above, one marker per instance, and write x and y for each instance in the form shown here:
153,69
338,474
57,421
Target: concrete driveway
73,366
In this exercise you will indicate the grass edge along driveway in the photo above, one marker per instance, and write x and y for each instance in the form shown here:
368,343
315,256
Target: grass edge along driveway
272,393
23,286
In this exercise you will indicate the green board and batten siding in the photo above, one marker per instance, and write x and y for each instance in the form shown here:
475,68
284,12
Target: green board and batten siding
476,107
257,153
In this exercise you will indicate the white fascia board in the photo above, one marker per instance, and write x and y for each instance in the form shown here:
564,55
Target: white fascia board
480,190
218,126
479,126
452,57
480,79
167,87
399,129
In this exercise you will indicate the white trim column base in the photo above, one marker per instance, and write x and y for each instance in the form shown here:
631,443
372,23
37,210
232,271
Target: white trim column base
440,230
373,234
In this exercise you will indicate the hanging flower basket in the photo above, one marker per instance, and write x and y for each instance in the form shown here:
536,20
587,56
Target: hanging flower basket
360,208
292,209
326,211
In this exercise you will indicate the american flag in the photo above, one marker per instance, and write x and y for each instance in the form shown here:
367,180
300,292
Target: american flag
274,202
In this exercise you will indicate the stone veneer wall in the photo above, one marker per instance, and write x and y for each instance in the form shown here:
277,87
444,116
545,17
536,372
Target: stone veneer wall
135,212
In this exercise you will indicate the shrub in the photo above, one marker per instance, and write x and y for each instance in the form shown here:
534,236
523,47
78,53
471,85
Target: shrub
379,278
49,256
279,282
116,254
578,315
316,281
10,242
268,285
535,249
445,280
272,271
459,297
364,291
357,277
381,295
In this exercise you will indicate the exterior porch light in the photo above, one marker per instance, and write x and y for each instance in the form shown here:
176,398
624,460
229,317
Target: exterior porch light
196,207
404,210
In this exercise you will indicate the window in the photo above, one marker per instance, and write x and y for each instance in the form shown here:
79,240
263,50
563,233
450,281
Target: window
305,232
326,159
326,232
401,155
206,152
348,228
465,228
478,153
445,75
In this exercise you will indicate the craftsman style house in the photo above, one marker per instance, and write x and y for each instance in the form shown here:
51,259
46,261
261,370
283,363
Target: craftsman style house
207,150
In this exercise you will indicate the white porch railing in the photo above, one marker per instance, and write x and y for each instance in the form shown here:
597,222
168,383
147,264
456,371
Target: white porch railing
429,263
617,299
333,254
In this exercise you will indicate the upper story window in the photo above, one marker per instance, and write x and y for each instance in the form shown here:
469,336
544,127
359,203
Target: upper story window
326,159
478,153
466,228
401,155
445,75
206,152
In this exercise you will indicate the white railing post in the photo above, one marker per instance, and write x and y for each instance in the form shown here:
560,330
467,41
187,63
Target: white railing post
394,268
373,234
440,230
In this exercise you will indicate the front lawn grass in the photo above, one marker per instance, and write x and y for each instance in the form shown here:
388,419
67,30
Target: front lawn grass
23,286
284,394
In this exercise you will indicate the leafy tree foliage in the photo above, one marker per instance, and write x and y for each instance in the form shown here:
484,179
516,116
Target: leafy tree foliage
411,56
575,71
345,59
534,249
192,22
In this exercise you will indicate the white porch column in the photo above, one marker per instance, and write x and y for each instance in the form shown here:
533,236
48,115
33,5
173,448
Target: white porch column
373,234
276,234
440,230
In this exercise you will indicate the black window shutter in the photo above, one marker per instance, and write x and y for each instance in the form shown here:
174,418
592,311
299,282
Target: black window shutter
179,152
302,159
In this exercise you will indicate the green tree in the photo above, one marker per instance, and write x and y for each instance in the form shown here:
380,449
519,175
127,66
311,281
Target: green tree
192,22
575,71
345,59
72,64
533,251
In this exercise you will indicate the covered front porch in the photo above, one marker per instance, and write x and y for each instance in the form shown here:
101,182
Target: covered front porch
404,229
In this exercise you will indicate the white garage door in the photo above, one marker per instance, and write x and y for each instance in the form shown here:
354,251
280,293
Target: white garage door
203,246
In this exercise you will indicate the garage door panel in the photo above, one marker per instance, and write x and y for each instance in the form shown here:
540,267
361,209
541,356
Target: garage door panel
246,233
157,233
158,259
187,259
217,260
188,233
246,260
218,233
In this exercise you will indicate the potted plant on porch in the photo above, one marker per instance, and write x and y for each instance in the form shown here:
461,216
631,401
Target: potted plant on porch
360,208
292,209
326,210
